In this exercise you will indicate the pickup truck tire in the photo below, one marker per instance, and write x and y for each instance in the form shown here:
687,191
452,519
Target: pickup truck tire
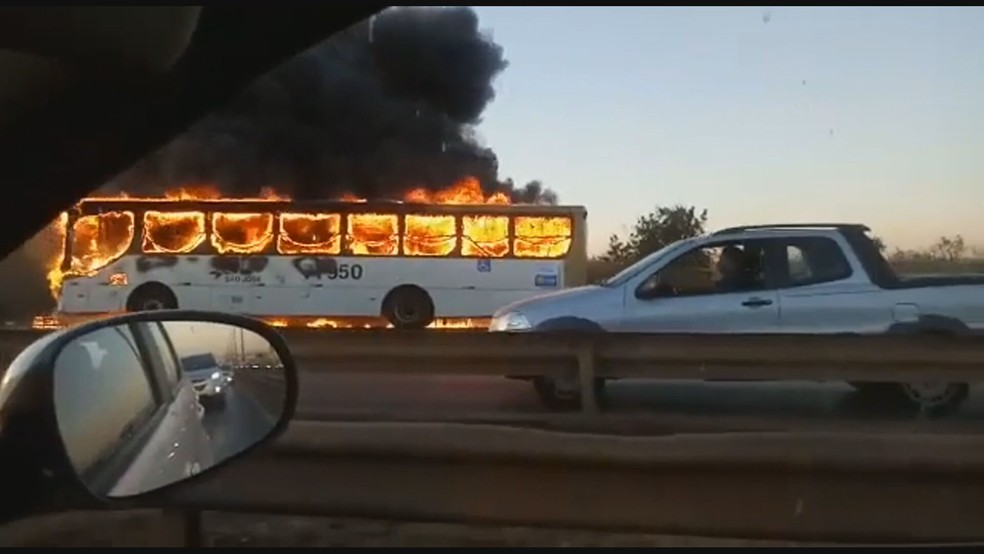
936,399
564,394
932,399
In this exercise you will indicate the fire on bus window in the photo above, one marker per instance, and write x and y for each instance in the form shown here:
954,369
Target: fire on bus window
194,222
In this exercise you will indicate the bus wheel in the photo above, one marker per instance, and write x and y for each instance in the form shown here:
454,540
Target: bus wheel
151,297
408,308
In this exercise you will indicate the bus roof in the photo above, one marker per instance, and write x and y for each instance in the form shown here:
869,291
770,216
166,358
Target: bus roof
95,206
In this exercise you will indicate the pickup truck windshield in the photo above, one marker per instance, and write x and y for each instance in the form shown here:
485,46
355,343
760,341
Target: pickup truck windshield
199,362
622,276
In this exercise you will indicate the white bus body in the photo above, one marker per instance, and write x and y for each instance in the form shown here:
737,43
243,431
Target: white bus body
270,284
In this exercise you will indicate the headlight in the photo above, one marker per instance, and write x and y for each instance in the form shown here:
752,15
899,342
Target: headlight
510,321
216,375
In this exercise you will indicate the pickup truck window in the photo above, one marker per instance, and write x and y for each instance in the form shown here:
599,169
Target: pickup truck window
711,269
814,260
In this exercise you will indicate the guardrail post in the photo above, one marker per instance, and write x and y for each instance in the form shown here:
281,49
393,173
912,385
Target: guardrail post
181,528
586,377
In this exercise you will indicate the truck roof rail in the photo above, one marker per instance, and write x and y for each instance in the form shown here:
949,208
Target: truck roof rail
838,226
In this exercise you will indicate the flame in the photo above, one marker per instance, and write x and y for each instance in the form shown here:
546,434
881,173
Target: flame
236,233
46,322
465,191
99,239
50,322
58,230
542,237
173,232
370,323
201,193
485,236
309,233
429,235
373,234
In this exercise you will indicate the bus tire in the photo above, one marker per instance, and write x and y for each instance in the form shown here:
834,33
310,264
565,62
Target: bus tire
408,307
151,296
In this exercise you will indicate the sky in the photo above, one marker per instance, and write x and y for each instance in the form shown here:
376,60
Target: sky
759,115
196,337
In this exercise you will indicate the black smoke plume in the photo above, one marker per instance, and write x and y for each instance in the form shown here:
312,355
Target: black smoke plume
386,106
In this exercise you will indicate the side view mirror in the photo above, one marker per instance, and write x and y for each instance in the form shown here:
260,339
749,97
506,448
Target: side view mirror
129,405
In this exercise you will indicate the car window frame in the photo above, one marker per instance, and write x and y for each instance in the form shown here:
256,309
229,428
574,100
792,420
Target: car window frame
768,283
103,474
154,352
784,279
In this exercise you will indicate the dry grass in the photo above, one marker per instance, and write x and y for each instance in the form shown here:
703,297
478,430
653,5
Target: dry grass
917,267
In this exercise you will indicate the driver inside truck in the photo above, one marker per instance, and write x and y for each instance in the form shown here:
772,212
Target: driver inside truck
731,267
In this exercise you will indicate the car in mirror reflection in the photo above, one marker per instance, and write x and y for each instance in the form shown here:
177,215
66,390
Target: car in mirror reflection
207,377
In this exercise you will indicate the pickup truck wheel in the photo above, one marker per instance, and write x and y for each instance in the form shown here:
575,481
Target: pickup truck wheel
564,393
935,398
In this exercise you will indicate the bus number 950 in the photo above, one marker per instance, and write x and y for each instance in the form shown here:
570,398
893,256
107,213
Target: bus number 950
345,271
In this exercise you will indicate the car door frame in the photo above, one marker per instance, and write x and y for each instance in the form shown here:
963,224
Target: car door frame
769,290
130,448
827,289
183,447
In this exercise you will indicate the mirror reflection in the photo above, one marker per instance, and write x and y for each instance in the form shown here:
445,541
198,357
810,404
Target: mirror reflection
143,405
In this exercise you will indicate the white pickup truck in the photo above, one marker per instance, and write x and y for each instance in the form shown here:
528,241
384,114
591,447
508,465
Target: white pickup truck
800,278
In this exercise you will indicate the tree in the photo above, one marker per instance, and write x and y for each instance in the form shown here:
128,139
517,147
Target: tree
879,244
662,226
949,249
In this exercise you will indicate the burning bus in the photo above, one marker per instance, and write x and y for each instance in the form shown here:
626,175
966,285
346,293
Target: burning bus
447,255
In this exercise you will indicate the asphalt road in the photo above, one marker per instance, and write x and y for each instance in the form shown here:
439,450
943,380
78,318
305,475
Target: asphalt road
253,405
716,406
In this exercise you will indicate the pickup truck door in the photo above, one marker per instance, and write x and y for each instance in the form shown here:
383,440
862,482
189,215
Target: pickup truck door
697,305
821,293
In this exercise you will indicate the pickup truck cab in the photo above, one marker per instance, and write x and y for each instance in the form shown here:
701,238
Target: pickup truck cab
799,278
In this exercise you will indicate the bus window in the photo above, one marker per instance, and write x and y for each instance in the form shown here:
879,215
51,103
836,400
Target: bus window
485,236
100,239
309,233
429,235
173,232
241,233
372,234
542,237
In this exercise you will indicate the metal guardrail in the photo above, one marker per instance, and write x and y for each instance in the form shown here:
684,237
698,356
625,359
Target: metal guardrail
890,487
844,487
887,358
